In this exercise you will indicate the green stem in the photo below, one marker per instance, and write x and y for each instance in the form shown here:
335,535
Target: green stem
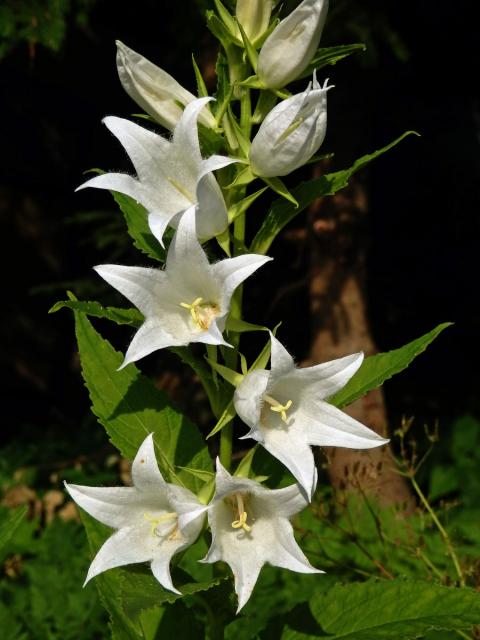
443,533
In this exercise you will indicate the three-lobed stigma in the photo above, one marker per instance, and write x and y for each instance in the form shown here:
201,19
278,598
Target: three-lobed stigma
203,313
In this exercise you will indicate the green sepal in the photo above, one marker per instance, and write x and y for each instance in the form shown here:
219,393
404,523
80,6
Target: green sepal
226,17
243,142
326,56
201,474
243,178
249,48
202,90
243,205
231,376
245,464
382,366
265,103
219,30
279,187
223,240
241,326
131,317
252,82
227,416
281,212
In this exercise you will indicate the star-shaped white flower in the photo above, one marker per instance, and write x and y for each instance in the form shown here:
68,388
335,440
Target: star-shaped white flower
188,301
171,175
286,411
250,527
147,524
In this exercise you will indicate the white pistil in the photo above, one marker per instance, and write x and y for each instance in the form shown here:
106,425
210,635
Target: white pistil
156,522
186,194
241,523
277,407
202,312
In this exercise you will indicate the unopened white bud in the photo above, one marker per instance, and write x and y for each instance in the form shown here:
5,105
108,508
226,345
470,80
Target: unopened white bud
153,89
291,133
254,16
290,47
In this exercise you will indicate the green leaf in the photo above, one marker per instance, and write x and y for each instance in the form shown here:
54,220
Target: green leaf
392,609
378,368
204,476
11,524
130,407
245,464
266,102
330,55
283,212
219,30
131,317
137,225
203,372
226,17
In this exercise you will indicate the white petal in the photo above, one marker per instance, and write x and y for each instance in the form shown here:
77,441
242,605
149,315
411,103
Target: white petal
325,425
147,150
326,379
191,512
161,570
281,361
288,501
114,506
286,553
290,446
149,338
146,475
248,398
127,546
212,335
185,254
120,182
143,287
212,217
233,271
185,135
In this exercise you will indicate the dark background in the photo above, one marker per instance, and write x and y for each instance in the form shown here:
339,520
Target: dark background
419,72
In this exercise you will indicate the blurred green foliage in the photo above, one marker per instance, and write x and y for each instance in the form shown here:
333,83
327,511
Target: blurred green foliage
43,23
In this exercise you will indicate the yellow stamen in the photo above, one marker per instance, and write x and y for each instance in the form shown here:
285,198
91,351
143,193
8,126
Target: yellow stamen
241,523
186,194
277,407
202,312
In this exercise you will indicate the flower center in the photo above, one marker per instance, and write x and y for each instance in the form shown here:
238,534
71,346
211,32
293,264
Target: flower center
277,407
202,312
239,508
163,526
186,194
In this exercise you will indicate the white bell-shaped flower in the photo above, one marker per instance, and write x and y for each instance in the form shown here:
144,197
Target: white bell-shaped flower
254,16
250,527
147,524
153,89
171,175
188,301
290,47
286,411
291,133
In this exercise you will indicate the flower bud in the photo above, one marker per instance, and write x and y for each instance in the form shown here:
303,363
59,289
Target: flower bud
291,133
153,89
254,16
288,50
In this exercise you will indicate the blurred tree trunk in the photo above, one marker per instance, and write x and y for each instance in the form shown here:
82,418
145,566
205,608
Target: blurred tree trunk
339,237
